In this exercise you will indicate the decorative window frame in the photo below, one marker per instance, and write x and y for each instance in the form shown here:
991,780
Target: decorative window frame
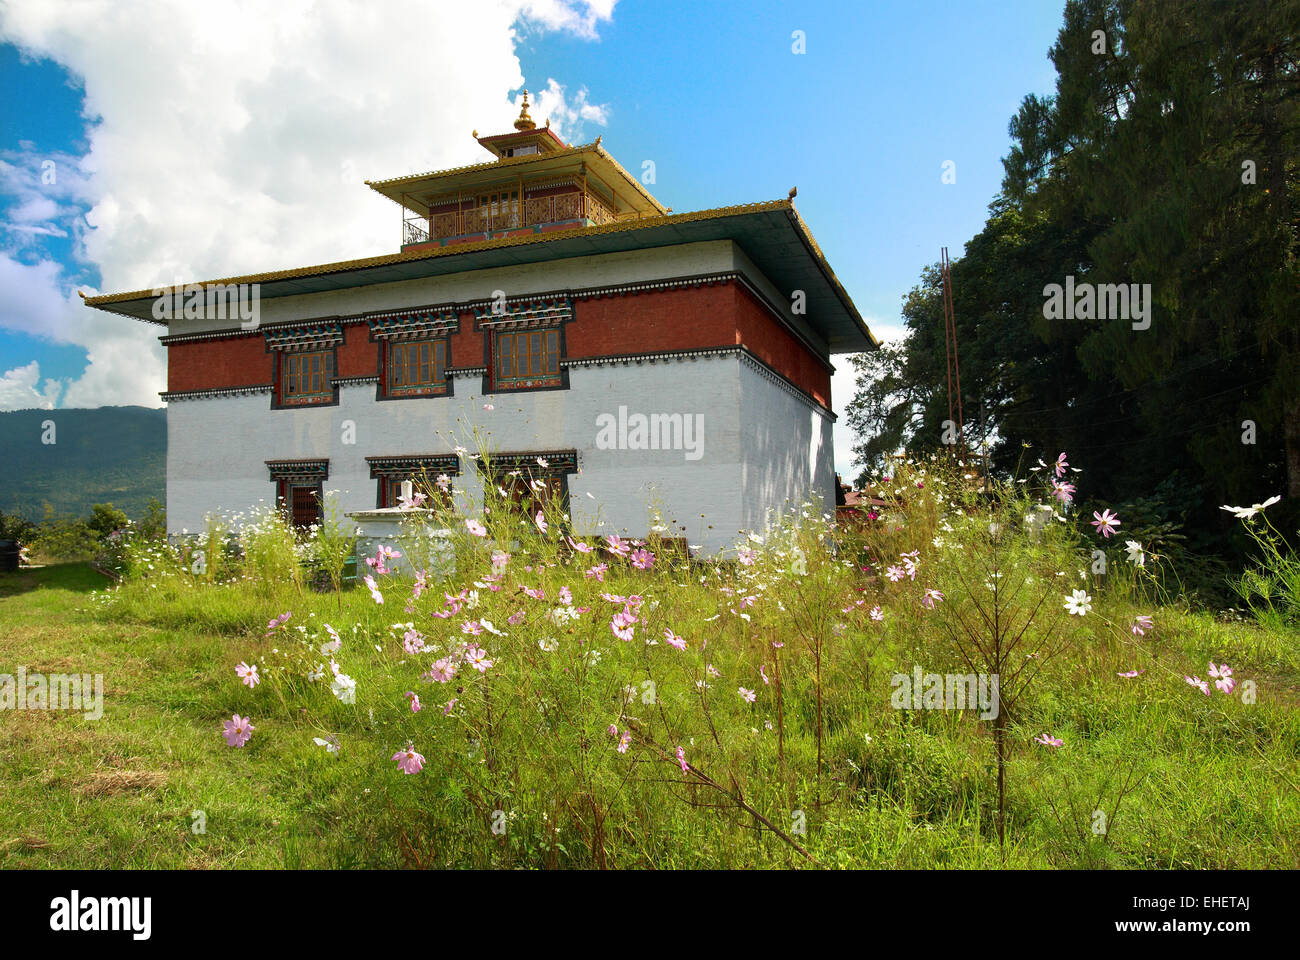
307,337
532,313
560,464
431,323
287,474
405,466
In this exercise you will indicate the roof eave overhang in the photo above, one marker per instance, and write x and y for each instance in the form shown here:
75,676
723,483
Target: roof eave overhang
772,235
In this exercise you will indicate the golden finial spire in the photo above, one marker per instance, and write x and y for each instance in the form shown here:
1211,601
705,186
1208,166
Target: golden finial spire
525,122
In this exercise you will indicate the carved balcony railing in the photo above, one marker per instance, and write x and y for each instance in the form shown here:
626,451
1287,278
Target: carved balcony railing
414,231
560,208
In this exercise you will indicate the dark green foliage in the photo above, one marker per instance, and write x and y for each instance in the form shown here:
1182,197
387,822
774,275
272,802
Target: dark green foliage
110,454
16,528
1138,169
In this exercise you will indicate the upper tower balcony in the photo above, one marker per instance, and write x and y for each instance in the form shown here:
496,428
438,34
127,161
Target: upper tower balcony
536,182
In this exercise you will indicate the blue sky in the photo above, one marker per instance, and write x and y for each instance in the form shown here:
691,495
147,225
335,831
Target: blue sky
862,123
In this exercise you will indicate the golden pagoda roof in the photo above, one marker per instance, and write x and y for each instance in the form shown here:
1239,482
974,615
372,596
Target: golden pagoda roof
414,190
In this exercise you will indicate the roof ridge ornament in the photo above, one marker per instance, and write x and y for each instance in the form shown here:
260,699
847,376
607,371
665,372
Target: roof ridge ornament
525,122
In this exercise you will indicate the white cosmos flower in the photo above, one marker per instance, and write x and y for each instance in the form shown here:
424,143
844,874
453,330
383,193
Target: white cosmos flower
1135,554
345,688
1245,513
1078,603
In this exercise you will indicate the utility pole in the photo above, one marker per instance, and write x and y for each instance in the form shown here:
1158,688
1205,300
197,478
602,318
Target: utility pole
950,349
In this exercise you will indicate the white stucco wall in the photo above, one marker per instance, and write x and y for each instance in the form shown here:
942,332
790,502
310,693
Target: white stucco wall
217,447
788,451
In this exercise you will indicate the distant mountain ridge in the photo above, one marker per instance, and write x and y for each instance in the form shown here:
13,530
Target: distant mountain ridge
112,455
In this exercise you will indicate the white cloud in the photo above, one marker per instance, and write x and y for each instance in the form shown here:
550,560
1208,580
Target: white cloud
19,389
579,18
125,357
843,386
568,113
234,138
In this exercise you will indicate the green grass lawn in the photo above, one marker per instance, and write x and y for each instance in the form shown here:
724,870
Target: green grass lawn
121,791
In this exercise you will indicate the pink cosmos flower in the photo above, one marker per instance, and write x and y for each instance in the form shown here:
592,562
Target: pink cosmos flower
446,711
413,503
247,674
441,672
894,574
278,622
1061,464
1048,741
476,528
747,695
540,520
408,761
1222,677
674,640
515,618
930,597
1130,674
373,588
763,673
1063,491
622,625
412,642
713,671
578,545
642,559
1106,523
877,614
616,546
415,700
746,556
476,657
681,759
597,572
1199,684
237,730
1141,624
624,741
612,730
488,407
